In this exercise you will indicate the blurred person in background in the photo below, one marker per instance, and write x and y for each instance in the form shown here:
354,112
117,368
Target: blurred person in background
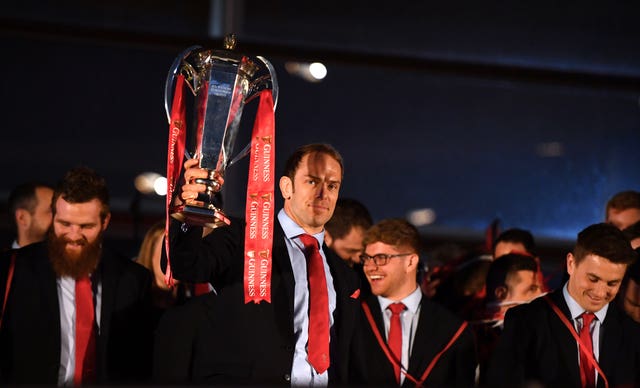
623,209
30,211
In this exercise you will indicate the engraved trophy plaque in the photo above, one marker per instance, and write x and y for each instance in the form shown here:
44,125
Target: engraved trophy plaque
221,83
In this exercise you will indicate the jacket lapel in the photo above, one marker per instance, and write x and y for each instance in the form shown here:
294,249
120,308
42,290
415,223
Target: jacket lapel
46,282
425,346
563,337
107,275
611,340
383,364
282,282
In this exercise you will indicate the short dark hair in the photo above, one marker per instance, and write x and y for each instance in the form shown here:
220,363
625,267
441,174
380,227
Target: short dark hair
604,240
623,200
515,235
394,231
504,267
81,185
24,196
292,164
349,213
633,271
632,232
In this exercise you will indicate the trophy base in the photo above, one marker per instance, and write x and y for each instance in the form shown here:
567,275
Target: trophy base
200,216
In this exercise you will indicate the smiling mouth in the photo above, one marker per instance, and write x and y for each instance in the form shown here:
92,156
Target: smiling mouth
75,244
376,277
596,300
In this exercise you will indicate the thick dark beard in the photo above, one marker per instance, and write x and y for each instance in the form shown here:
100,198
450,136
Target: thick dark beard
77,266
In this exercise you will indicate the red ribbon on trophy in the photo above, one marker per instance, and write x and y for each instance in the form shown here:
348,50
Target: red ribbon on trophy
260,205
175,152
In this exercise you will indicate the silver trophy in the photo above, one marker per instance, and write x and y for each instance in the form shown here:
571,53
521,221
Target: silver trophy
222,82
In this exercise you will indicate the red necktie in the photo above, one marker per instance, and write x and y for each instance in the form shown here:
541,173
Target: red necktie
318,346
85,335
587,370
201,289
395,336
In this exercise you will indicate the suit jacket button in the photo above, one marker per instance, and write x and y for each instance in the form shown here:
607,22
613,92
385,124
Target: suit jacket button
287,377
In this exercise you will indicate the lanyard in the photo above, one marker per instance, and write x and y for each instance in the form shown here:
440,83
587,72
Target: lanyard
12,265
387,351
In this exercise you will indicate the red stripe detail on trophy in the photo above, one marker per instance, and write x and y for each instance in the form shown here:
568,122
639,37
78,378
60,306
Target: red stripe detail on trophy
260,205
177,138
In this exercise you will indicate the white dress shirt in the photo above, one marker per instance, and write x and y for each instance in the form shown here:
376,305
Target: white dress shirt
409,321
302,372
67,304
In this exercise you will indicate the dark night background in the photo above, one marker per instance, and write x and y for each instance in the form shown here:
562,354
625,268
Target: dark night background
528,112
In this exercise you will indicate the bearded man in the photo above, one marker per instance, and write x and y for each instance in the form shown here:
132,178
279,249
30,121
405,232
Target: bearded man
72,312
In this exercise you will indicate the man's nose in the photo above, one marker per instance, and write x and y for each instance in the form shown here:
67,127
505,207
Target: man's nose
602,290
321,190
73,232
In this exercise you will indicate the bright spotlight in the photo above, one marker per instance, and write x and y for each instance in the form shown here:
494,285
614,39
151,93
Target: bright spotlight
422,217
318,70
160,186
311,72
150,183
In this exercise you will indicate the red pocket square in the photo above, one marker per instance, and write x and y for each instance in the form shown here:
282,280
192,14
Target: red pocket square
356,294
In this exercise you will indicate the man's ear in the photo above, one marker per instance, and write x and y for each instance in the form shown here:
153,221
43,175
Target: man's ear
501,293
414,259
571,263
327,238
286,187
105,223
23,217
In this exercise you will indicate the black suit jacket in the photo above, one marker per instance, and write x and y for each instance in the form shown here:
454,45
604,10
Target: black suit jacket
30,332
219,338
436,326
536,346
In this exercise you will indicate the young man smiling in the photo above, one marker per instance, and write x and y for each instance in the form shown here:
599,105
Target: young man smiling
575,336
403,338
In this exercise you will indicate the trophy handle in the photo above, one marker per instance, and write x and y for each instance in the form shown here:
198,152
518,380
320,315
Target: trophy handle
265,82
171,78
260,83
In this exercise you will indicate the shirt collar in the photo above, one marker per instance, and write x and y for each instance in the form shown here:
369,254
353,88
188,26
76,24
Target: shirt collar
576,310
292,230
411,301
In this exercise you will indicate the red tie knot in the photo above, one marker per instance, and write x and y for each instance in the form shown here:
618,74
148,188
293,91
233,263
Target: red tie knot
310,243
396,308
587,318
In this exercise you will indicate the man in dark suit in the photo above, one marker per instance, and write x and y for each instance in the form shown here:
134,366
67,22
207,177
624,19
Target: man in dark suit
575,336
220,338
426,344
74,313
